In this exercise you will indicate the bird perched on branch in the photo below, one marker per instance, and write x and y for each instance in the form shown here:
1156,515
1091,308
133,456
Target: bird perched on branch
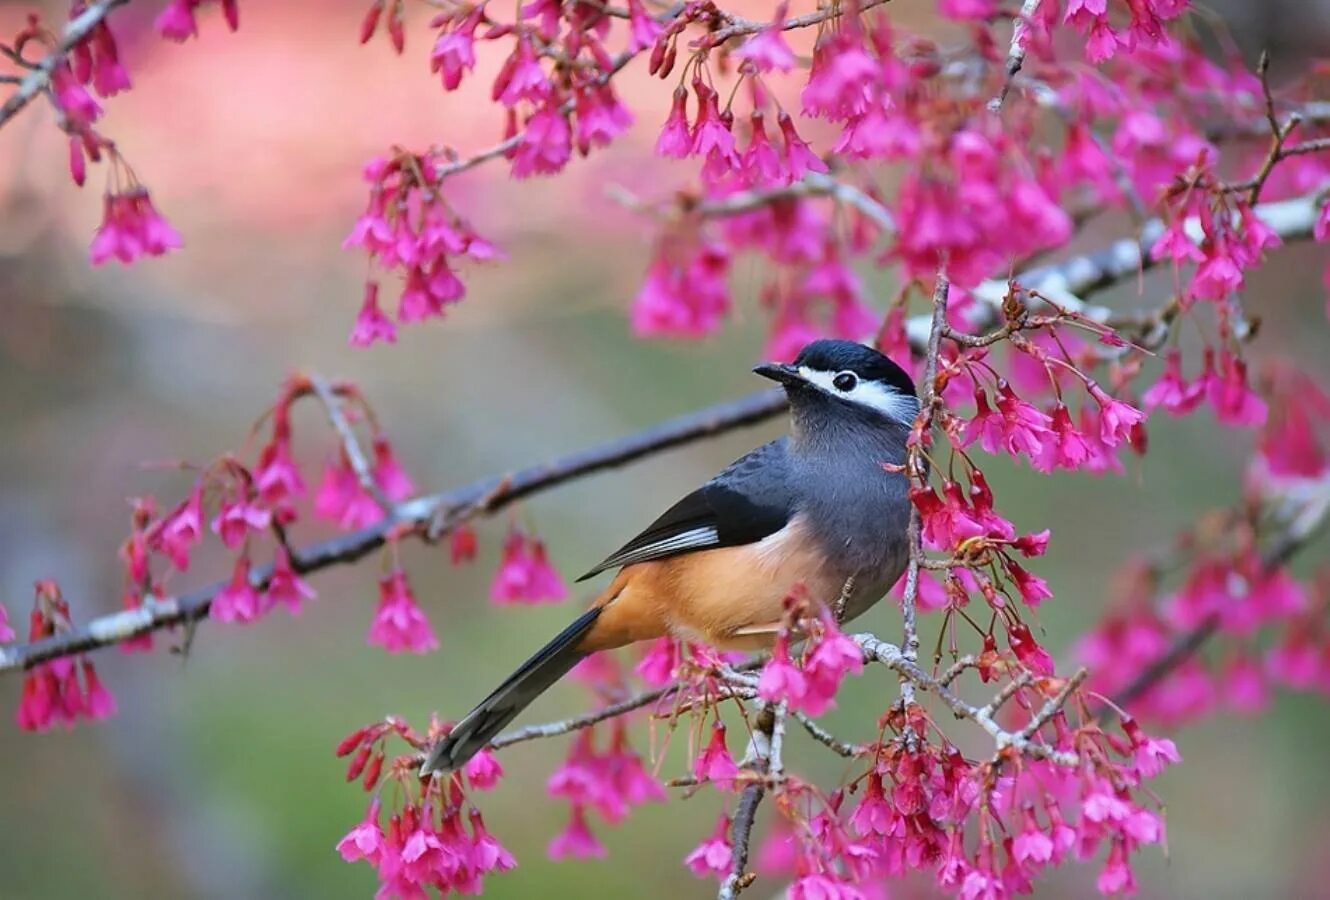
824,510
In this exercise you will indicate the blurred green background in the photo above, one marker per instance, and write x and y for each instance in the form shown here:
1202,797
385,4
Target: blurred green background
217,778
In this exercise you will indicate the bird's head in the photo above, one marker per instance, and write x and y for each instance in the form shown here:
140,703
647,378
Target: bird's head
842,379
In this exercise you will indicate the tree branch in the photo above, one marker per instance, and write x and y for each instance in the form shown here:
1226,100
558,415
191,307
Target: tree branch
433,515
478,498
764,748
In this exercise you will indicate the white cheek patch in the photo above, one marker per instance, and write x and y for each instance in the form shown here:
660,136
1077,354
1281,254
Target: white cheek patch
873,394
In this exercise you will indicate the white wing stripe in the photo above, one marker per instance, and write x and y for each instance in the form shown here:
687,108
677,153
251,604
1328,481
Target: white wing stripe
697,537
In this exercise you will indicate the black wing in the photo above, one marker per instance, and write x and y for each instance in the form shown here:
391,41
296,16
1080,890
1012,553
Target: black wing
743,504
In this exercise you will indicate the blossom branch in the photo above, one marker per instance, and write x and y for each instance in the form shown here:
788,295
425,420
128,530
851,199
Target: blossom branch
738,26
39,75
1297,532
479,498
1066,283
893,657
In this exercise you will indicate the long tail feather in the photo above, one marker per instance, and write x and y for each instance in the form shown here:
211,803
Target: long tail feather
491,715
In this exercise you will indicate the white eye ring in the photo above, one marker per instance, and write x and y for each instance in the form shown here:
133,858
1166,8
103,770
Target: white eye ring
845,381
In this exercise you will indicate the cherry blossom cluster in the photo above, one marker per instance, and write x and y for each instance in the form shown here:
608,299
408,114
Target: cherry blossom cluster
71,68
435,837
978,828
54,693
837,150
409,226
243,511
1231,579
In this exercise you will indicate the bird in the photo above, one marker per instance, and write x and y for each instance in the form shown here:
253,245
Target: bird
823,510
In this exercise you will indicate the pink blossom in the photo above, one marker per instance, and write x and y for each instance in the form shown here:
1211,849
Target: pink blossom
371,324
1234,402
341,497
1219,275
1176,244
1296,659
276,476
826,663
1033,589
600,117
1321,227
180,531
454,51
546,144
521,78
683,297
483,770
823,886
1015,426
645,30
98,702
711,135
176,21
1032,845
874,814
6,632
767,49
1027,650
525,574
799,158
1116,418
1244,686
714,763
284,585
399,624
236,518
760,162
462,545
967,9
487,854
238,601
712,856
1102,42
76,103
780,678
388,472
1171,390
1116,877
365,840
627,773
658,664
131,228
1149,754
576,841
675,137
839,85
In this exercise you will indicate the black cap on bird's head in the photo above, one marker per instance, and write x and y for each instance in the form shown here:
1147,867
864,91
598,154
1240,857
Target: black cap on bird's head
849,373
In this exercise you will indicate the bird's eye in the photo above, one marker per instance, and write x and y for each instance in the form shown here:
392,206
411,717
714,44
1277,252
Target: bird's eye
845,381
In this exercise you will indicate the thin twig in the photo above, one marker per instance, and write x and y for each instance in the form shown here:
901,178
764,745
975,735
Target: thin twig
1020,36
355,455
826,738
763,748
928,405
877,650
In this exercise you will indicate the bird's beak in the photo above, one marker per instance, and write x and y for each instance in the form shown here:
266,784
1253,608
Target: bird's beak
782,372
